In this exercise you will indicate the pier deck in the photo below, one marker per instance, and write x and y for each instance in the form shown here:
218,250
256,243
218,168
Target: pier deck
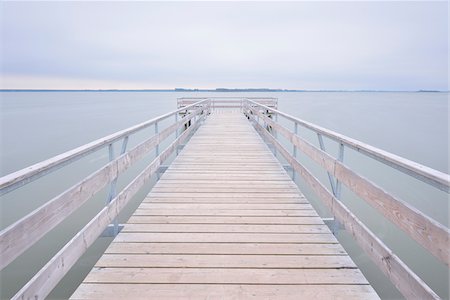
225,221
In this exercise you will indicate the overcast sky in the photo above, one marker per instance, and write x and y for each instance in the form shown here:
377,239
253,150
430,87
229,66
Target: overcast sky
293,45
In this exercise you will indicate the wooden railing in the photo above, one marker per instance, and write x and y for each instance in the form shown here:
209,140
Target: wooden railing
429,233
228,102
21,235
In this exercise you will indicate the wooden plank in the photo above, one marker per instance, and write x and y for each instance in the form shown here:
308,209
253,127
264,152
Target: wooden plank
223,200
207,189
222,220
218,291
250,153
225,261
222,170
225,206
225,184
227,172
262,238
251,228
229,169
227,212
238,176
199,149
246,161
225,195
226,276
225,248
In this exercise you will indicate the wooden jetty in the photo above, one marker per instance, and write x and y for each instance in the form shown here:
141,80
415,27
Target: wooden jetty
224,220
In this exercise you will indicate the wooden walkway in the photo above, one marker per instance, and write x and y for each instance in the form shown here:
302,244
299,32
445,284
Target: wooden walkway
225,222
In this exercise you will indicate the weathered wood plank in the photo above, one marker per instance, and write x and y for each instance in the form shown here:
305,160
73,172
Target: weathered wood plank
251,228
188,237
226,212
238,176
227,276
222,220
225,261
224,183
217,291
226,195
255,200
225,206
207,189
225,248
186,169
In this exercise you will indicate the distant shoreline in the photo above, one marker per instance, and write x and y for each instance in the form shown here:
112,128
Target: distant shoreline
218,90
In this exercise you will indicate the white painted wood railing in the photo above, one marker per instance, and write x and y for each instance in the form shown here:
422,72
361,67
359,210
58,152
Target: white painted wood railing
228,102
21,235
429,233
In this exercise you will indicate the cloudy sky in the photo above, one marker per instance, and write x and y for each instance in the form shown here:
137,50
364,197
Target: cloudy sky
293,45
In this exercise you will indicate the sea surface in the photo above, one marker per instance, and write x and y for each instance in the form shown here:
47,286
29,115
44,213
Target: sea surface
35,126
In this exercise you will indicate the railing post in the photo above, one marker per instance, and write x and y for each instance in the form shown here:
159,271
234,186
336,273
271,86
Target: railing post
157,145
334,224
176,121
330,177
294,150
275,135
158,174
112,187
341,159
177,151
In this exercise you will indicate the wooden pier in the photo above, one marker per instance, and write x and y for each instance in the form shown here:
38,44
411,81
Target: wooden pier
225,222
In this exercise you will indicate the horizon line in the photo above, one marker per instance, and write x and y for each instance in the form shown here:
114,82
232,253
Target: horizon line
217,90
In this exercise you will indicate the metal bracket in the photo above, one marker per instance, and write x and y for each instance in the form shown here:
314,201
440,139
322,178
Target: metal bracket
288,168
271,146
162,169
110,231
333,224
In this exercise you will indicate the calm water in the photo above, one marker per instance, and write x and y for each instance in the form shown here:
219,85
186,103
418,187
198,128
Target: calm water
38,125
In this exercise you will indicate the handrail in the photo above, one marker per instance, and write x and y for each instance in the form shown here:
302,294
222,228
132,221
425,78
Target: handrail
432,235
47,278
426,174
406,281
227,101
26,175
21,235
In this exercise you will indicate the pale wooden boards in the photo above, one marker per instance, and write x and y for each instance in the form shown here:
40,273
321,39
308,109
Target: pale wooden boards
225,222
